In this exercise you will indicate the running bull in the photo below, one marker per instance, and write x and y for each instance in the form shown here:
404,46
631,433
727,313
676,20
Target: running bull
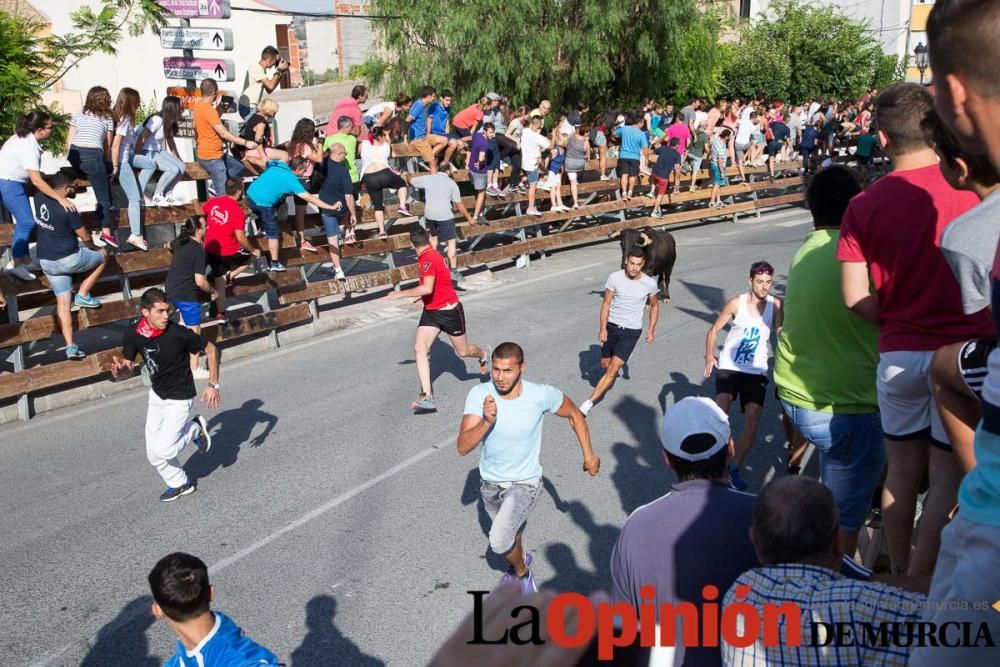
660,250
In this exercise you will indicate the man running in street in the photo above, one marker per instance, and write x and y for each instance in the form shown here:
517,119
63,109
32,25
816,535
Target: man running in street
626,292
505,415
166,349
742,364
442,312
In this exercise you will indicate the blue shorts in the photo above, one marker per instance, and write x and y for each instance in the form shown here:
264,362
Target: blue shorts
331,223
717,178
532,176
190,312
60,272
851,455
268,219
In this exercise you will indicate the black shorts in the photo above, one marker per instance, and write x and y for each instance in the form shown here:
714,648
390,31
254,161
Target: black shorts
444,230
628,167
620,342
972,363
749,387
774,147
451,321
223,264
459,133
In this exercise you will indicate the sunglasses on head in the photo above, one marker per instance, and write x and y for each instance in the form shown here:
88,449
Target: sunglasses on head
758,270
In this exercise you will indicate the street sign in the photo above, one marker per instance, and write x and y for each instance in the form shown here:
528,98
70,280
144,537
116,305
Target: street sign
196,9
202,39
191,96
198,69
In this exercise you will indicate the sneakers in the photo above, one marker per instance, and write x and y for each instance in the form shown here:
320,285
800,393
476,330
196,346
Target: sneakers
605,177
173,494
456,276
424,403
106,239
74,352
87,301
735,479
203,439
586,407
200,374
277,267
527,582
484,361
307,247
657,213
137,242
481,220
171,200
403,211
221,319
533,211
159,201
22,272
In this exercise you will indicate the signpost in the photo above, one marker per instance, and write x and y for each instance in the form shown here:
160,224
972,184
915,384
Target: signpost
203,39
197,9
198,69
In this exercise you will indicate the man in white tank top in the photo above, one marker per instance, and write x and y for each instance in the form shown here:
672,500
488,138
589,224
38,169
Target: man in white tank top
742,364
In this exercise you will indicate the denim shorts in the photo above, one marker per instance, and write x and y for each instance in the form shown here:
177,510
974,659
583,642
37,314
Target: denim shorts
851,455
532,176
331,223
508,504
60,272
906,398
268,219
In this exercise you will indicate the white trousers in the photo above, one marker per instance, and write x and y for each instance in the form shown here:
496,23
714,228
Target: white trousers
168,431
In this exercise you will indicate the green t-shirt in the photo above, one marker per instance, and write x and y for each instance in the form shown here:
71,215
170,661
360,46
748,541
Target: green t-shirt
866,142
826,355
697,147
350,144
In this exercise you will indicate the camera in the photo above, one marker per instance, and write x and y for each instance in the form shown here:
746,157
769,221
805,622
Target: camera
228,103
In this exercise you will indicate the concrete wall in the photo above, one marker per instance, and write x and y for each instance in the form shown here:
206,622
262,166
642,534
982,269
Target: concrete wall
322,39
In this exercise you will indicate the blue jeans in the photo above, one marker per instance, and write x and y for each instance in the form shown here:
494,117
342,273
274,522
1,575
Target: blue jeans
268,218
851,456
171,166
126,179
221,169
15,200
91,161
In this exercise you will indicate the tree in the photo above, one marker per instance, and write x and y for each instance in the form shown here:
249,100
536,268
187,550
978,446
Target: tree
30,64
605,52
802,51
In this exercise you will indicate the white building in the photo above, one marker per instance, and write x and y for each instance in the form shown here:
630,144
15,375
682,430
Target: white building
322,37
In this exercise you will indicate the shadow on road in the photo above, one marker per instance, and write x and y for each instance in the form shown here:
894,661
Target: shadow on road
324,644
230,430
123,641
680,387
711,297
640,474
570,576
444,360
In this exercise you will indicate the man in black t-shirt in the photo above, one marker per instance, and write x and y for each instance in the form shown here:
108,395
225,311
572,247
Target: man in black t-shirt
165,347
61,256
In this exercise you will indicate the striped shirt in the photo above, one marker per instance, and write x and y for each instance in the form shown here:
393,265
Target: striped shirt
91,130
824,597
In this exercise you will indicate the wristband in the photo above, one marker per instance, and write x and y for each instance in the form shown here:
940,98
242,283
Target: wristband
216,386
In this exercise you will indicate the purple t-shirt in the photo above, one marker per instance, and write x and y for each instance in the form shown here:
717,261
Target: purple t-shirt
478,152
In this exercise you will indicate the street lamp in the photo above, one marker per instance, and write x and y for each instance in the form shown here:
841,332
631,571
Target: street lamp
920,56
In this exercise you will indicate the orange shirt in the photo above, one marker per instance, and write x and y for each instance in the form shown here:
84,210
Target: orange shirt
209,142
468,117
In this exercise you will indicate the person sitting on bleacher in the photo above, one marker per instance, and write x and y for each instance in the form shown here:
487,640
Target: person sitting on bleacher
59,231
226,244
269,191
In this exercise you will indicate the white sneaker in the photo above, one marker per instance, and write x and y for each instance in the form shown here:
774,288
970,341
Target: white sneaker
137,241
533,211
174,201
22,272
200,374
586,406
96,239
605,177
160,201
338,273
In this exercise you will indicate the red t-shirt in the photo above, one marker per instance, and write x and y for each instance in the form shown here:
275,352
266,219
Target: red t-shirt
431,263
223,216
895,227
468,117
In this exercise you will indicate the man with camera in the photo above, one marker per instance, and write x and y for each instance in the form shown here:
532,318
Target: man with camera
257,82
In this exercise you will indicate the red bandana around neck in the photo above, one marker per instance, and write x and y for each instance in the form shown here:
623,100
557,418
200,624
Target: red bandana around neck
144,328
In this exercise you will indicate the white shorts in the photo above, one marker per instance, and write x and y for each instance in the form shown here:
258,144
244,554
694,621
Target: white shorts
906,398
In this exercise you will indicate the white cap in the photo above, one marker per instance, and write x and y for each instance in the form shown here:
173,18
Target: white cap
691,416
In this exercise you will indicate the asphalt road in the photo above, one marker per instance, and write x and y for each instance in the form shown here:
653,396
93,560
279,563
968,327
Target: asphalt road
341,529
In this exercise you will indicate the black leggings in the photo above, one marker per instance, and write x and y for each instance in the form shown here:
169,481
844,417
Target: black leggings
510,152
377,181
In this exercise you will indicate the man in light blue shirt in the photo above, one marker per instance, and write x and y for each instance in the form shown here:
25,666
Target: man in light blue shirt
505,415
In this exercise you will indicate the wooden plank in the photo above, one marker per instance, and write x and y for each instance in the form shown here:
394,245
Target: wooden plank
52,375
258,323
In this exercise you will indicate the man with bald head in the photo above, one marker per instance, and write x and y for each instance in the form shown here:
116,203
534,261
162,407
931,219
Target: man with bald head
794,533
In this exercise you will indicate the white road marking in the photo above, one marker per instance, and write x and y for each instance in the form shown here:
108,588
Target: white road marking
792,223
730,233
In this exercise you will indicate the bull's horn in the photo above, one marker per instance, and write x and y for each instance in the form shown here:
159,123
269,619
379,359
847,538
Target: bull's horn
645,239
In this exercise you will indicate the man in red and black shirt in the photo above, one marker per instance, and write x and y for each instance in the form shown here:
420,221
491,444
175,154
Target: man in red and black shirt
442,312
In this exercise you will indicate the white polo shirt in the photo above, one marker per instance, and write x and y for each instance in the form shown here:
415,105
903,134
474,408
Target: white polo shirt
18,155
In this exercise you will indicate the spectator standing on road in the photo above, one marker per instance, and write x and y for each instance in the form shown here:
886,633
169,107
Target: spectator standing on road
442,312
186,278
351,107
166,348
156,150
440,194
122,149
890,237
263,78
210,133
227,250
378,175
824,366
626,294
338,191
742,364
182,597
59,232
89,146
505,416
20,164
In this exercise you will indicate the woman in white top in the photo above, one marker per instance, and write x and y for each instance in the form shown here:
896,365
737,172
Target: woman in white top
121,161
89,145
377,175
20,162
155,150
